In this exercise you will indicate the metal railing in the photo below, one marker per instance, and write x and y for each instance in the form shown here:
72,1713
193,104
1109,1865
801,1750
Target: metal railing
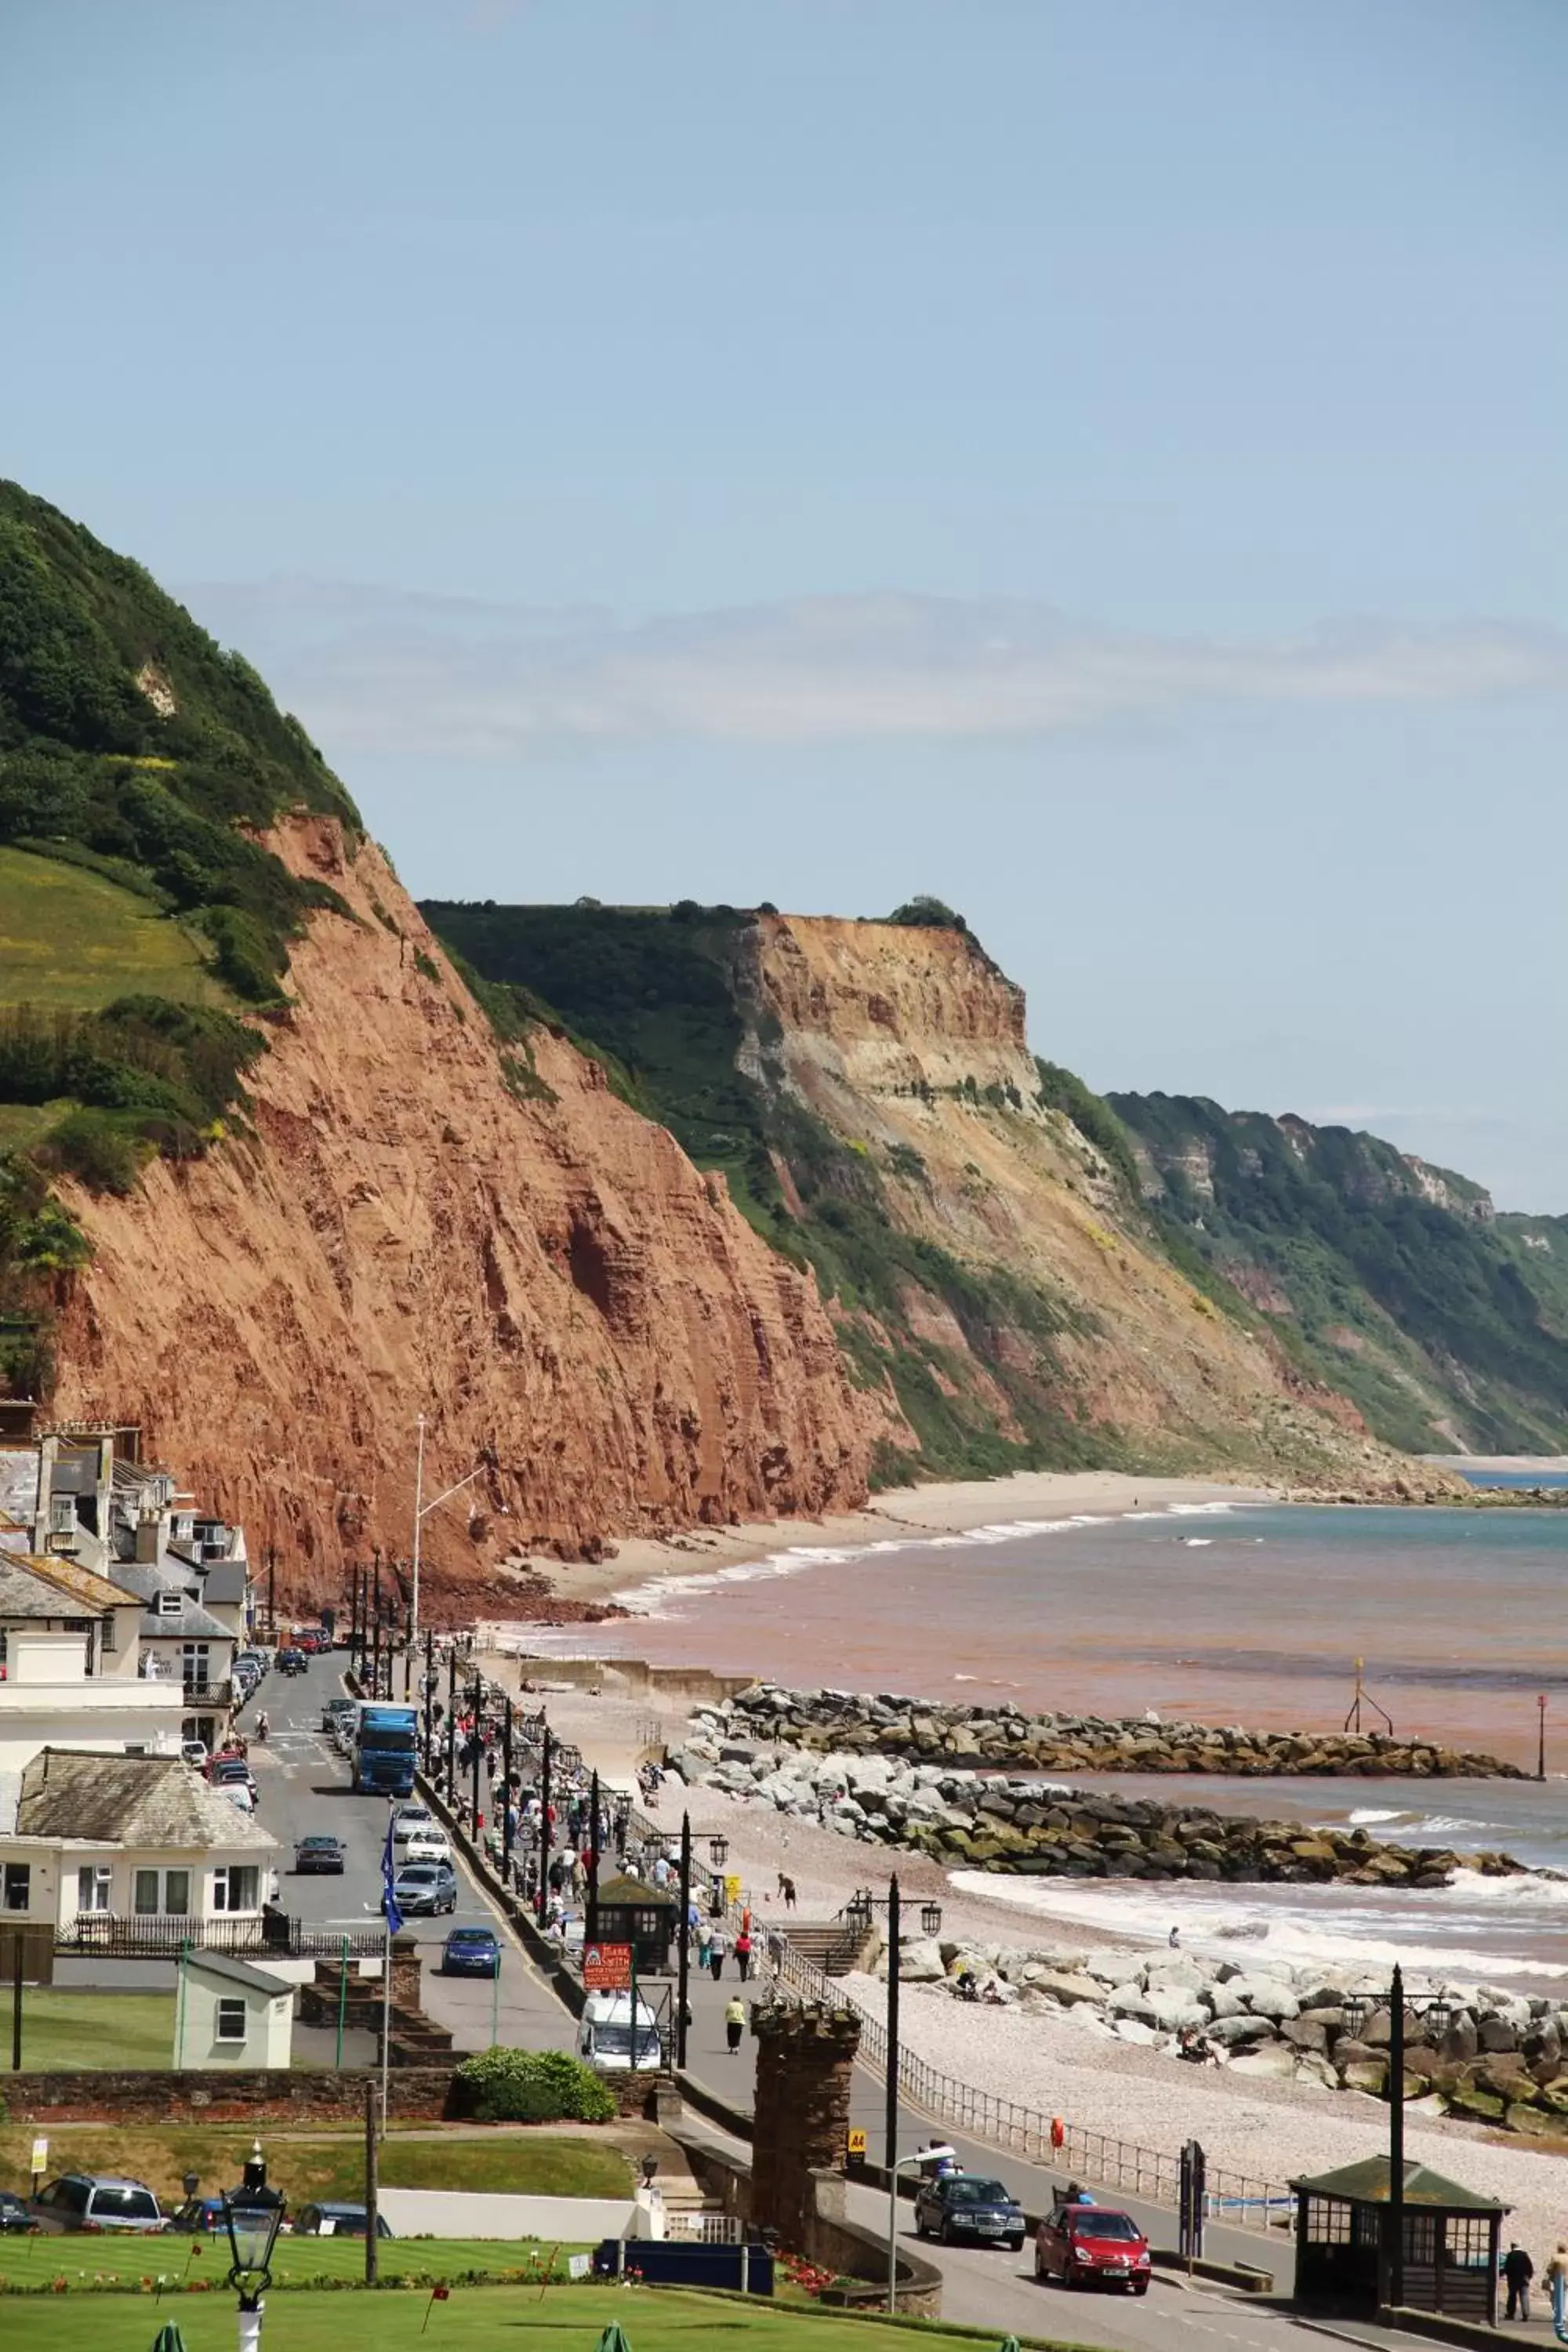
213,1696
125,1935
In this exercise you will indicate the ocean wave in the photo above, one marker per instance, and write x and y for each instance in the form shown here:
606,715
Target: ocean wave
1364,1816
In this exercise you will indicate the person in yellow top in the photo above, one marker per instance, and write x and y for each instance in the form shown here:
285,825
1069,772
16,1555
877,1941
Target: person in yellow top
734,2022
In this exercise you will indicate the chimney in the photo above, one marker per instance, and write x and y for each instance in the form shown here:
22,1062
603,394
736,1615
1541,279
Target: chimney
147,1528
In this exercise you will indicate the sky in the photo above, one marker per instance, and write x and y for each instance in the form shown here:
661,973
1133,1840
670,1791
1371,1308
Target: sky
1101,461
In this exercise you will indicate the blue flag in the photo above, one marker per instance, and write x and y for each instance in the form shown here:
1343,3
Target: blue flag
390,1911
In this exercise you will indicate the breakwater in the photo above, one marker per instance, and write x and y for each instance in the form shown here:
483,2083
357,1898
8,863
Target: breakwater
982,1737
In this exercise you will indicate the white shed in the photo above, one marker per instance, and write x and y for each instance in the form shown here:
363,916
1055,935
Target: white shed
228,2014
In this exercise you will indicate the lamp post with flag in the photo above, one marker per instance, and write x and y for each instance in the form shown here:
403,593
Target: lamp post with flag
394,1918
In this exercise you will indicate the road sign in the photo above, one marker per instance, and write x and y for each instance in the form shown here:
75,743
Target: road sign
854,2147
606,1968
40,2163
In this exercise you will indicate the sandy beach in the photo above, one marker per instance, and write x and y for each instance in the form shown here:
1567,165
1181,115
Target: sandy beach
1058,2065
937,1509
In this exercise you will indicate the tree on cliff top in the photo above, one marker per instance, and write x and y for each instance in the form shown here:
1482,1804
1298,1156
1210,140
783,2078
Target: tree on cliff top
922,912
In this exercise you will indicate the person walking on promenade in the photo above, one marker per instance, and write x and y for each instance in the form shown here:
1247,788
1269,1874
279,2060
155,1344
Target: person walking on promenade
1518,2269
718,1944
1557,2288
704,1943
734,2021
743,1954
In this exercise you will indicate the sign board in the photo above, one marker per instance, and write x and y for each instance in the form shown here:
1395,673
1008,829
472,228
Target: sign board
40,2163
854,2147
606,1968
579,2265
732,1885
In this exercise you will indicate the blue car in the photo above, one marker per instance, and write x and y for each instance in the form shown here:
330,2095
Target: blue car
471,1952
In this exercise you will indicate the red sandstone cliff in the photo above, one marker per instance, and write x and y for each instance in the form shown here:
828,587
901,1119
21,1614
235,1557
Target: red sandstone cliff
549,1280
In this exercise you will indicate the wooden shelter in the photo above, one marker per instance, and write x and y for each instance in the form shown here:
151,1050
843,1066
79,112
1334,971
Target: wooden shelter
628,1912
1344,2243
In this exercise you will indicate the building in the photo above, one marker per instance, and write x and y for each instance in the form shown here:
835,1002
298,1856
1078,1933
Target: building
129,1853
183,1643
55,1596
49,1699
228,2014
1345,2242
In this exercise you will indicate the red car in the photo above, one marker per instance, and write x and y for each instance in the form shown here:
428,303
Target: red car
1092,2245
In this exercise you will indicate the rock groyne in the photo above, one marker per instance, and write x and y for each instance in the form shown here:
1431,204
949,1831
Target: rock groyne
978,1738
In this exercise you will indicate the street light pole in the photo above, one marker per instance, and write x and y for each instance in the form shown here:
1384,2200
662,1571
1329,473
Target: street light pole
896,2164
590,1922
478,1701
1396,2138
418,1523
893,2087
506,1796
545,1840
683,1950
452,1728
429,1694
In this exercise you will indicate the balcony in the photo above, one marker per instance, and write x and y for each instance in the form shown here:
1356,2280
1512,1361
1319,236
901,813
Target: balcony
209,1698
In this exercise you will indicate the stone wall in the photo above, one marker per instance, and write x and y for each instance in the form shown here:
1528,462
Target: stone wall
805,2058
298,2095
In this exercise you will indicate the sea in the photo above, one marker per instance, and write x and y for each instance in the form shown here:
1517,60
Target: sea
1444,1624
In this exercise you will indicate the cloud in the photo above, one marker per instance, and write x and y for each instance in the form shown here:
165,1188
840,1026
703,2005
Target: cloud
376,669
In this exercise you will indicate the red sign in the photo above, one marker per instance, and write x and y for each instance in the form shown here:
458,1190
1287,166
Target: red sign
607,1967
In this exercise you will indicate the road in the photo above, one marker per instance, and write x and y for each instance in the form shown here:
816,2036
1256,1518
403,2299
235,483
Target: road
303,1785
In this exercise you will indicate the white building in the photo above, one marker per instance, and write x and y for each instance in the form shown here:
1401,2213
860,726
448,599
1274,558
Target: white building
228,2014
139,1844
48,1699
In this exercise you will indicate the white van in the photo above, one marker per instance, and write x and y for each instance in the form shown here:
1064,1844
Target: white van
605,2035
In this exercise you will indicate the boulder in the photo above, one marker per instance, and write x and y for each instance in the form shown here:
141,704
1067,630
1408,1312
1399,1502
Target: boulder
1265,1997
920,1960
1240,2032
1303,2033
1314,2073
1537,2123
1368,2075
1221,2000
1498,2033
1070,1990
1275,2060
1132,2029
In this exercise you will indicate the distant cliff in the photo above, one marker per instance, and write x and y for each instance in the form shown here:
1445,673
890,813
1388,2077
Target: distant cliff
1390,1280
972,1215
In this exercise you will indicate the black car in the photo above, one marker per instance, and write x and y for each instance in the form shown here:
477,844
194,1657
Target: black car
320,1857
338,2222
15,2217
293,1661
198,2217
969,2205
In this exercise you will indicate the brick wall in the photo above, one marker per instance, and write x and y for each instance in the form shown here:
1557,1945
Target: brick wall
299,2095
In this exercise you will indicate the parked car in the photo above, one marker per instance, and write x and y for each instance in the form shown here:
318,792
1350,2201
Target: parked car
1092,2245
409,1820
428,1846
311,1639
232,1772
970,2205
293,1661
337,1710
426,1886
337,2221
97,2201
471,1952
198,2217
320,1856
195,1751
15,2217
238,1795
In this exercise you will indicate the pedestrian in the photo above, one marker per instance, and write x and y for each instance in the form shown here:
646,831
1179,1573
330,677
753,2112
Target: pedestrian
787,1888
718,1945
1557,2288
743,1954
704,1942
734,2022
1518,2269
1173,1939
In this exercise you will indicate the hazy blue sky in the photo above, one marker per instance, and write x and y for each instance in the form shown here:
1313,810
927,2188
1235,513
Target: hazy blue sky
1105,461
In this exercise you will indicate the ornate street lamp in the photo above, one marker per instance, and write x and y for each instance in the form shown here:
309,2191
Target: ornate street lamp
717,1850
252,2216
931,1918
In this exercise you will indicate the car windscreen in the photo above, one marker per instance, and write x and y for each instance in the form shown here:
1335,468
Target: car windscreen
615,2041
977,2192
124,2205
473,1940
1103,2225
418,1874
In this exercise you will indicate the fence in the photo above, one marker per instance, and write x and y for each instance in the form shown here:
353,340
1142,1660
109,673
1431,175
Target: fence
126,1936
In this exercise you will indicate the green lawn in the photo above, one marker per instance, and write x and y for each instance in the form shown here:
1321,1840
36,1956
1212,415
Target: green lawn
532,2163
479,2319
74,938
64,2029
86,2263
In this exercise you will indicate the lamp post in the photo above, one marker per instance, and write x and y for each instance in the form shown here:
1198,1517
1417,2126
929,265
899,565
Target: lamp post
477,1700
429,1696
683,1944
506,1796
543,1895
252,2216
1396,2137
452,1728
858,1911
591,1917
896,2164
1540,1737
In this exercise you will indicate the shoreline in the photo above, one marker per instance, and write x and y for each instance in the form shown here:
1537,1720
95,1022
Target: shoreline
906,1514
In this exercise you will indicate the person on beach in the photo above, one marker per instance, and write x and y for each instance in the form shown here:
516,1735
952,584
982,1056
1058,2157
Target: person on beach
743,1955
1557,2288
734,2021
1518,2269
786,1888
718,1944
1174,1939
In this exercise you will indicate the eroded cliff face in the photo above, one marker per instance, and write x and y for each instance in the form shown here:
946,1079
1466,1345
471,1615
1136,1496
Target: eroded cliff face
406,1226
909,1045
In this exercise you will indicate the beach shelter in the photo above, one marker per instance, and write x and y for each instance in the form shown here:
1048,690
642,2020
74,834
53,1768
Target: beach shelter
1343,2243
630,1913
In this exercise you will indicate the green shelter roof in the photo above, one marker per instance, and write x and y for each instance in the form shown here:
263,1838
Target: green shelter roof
1366,2183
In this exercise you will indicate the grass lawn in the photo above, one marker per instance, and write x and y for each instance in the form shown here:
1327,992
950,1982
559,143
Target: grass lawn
542,2164
84,2261
75,938
63,2028
474,2319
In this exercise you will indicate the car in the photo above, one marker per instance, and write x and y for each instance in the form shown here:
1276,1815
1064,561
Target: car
339,1709
426,1886
471,1952
15,2217
193,1751
1092,2245
969,2205
232,1772
428,1846
238,1795
313,1639
408,1821
319,1856
198,2217
337,2221
97,2201
293,1661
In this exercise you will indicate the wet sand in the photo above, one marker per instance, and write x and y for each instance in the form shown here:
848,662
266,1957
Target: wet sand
943,1508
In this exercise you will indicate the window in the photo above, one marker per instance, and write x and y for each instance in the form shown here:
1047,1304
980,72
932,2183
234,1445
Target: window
197,1656
236,1886
94,1886
106,1640
144,1893
165,1891
16,1888
176,1893
231,2020
171,1604
1328,2221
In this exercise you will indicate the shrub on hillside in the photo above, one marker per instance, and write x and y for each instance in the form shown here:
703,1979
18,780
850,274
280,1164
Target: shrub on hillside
531,2086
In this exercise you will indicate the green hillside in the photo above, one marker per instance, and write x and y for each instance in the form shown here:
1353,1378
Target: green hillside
1391,1281
139,912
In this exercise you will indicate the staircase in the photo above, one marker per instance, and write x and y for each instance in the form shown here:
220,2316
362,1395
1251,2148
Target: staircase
834,1945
